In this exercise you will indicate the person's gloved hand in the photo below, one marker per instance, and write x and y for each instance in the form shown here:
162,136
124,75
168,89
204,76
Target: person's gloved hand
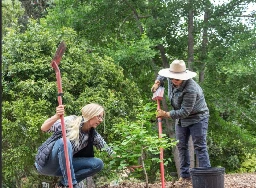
162,114
155,86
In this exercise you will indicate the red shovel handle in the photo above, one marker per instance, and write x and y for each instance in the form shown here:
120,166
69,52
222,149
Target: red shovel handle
158,95
55,62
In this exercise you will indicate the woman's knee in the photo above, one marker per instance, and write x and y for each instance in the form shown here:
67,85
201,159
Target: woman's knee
200,143
182,145
98,164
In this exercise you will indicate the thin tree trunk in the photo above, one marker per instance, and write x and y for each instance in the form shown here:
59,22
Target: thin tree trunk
175,152
190,61
165,62
141,161
203,55
143,167
190,39
191,152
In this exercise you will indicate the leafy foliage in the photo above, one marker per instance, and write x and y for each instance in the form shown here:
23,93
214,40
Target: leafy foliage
249,163
137,143
12,12
30,90
219,143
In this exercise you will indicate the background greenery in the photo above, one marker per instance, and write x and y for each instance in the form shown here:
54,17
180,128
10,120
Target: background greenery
114,51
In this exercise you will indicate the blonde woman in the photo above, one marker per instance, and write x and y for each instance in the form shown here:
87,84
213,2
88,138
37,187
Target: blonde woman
81,135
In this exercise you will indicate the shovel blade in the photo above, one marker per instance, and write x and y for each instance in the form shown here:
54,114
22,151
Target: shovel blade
58,55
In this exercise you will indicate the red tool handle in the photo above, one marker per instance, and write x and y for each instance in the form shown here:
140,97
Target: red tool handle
63,129
161,149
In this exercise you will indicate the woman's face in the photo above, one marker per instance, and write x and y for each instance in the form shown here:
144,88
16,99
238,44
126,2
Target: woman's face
176,82
96,120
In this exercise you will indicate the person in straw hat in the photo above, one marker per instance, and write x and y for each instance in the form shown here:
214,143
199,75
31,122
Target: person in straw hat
190,113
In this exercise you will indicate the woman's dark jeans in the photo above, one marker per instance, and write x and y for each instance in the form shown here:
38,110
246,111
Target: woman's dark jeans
80,167
198,132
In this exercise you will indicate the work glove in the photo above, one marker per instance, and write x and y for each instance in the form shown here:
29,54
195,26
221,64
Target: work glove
155,86
162,114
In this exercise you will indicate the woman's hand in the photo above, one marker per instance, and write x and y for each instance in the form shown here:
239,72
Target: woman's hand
155,86
162,113
60,110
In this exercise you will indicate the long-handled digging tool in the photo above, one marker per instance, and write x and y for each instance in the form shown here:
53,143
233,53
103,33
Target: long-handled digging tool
55,62
158,96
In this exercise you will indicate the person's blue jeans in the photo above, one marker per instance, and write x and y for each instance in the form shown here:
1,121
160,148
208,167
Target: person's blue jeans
198,132
80,167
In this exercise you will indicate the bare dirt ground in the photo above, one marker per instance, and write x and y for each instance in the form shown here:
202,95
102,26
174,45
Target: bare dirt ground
246,180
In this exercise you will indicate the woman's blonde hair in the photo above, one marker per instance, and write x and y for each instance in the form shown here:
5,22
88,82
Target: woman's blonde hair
88,112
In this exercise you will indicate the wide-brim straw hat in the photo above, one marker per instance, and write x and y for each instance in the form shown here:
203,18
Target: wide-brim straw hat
177,70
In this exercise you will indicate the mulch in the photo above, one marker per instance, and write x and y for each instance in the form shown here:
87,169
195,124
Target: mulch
242,180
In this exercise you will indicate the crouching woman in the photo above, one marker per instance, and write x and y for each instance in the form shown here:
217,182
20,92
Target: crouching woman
81,136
